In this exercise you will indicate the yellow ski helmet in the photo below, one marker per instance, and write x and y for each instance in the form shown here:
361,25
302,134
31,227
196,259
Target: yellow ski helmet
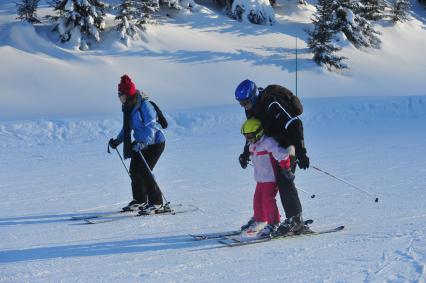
252,129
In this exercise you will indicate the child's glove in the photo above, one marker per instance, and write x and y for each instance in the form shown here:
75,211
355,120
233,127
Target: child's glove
244,160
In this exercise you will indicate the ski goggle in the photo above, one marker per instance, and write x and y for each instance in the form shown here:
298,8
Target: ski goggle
250,136
245,102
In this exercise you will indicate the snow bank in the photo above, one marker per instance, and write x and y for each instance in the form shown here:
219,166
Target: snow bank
213,119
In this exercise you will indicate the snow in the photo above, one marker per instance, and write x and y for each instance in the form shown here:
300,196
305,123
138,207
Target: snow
58,109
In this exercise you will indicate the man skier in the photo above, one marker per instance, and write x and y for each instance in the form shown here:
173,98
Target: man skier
275,107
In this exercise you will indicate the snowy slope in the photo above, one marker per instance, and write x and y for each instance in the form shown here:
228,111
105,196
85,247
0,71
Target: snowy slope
195,60
376,143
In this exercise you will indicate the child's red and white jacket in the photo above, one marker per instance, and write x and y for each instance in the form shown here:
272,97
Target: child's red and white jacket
265,154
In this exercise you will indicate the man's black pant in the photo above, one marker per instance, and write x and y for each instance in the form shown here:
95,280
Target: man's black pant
144,187
288,192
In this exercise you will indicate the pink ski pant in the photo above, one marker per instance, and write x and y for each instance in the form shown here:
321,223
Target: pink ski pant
264,203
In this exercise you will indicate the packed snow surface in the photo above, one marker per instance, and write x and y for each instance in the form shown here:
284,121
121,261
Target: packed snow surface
54,169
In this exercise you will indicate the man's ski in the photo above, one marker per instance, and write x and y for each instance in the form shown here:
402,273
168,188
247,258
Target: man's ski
235,242
99,220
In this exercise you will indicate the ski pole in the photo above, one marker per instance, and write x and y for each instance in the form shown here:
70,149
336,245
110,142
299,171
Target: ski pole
121,158
122,161
299,189
302,190
152,176
376,199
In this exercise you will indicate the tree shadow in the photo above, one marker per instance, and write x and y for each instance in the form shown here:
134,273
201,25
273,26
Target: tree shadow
283,58
103,248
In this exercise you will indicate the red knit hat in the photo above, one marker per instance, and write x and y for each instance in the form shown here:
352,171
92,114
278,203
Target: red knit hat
126,86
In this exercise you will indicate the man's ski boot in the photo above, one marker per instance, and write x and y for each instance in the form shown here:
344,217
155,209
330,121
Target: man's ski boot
133,206
291,226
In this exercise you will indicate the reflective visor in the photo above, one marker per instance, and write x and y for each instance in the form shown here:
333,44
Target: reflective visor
245,102
250,136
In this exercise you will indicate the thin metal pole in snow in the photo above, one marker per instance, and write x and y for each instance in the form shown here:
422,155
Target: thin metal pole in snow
376,199
296,66
308,193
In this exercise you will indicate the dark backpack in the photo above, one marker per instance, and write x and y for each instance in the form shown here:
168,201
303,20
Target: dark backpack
160,117
285,97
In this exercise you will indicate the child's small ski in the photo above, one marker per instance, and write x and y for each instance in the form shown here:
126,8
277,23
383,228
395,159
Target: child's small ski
235,242
217,235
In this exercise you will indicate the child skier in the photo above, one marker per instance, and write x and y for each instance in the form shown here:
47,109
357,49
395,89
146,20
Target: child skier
266,156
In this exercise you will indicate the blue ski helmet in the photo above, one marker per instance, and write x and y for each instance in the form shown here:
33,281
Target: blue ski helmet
247,89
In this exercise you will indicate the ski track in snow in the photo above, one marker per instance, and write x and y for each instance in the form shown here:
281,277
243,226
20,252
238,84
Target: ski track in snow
45,181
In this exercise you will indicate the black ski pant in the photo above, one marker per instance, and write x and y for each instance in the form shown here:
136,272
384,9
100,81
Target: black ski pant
288,192
144,186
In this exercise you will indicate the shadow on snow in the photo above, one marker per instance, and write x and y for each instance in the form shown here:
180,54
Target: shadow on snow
103,248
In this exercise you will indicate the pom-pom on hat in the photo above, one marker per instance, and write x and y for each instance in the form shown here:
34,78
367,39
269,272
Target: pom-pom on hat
126,86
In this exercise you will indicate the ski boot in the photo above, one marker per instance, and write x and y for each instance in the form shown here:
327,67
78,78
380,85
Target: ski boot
133,206
155,209
290,226
248,224
267,231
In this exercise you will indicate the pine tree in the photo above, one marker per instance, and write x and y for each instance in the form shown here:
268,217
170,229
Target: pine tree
27,11
83,19
357,29
320,40
400,11
373,10
255,11
134,15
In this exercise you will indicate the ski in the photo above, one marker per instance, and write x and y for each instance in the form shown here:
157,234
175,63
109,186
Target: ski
100,220
217,235
109,214
207,236
101,214
234,242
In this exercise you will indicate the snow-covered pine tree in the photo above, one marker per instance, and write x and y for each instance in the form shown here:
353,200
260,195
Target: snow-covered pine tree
373,10
356,28
79,20
27,11
400,11
133,15
321,39
256,11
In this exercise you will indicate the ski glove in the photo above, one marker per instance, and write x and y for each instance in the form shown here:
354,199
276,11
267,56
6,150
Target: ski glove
138,146
244,160
113,143
288,174
303,161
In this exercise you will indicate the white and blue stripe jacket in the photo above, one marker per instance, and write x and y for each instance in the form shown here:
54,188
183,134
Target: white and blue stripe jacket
143,122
